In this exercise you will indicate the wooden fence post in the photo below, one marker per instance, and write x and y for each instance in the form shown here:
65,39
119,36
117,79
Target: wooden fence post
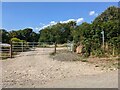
33,45
22,47
55,46
113,53
11,49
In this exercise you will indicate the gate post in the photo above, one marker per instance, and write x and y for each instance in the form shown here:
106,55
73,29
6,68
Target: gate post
55,47
11,49
22,47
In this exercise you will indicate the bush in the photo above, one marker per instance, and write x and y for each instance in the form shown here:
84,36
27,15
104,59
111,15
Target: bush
15,40
18,44
98,53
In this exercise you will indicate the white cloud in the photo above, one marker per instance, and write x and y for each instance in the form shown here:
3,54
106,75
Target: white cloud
53,22
79,20
45,26
93,13
67,21
41,24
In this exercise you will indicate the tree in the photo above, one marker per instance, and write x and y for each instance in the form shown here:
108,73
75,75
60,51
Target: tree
4,36
60,33
26,34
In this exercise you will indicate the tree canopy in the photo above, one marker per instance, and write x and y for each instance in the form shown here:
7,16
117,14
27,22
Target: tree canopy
26,34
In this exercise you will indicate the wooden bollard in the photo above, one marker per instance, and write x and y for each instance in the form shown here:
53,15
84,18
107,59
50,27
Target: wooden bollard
55,47
11,49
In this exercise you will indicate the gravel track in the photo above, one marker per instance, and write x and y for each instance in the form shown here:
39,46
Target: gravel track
35,69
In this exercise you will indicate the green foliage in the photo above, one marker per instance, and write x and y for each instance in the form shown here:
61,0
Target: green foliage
15,40
98,53
60,33
4,36
25,34
90,34
19,45
108,15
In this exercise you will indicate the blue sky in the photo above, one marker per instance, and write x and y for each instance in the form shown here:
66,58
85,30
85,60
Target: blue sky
37,15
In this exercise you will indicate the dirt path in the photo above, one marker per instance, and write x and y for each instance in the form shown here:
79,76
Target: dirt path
37,69
104,80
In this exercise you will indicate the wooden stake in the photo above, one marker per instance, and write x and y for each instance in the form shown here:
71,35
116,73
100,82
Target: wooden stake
11,49
55,46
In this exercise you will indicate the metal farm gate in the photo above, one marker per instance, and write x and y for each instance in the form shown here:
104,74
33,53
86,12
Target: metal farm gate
24,48
32,48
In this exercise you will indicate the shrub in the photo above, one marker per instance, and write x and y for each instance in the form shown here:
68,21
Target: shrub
18,44
15,40
98,53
